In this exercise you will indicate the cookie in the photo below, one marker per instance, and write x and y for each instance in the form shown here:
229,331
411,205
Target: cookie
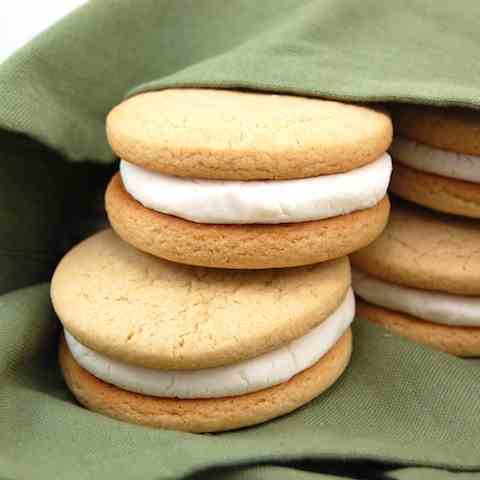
230,179
444,163
444,194
429,305
149,312
421,279
231,135
437,158
453,129
206,415
241,246
425,250
456,340
238,378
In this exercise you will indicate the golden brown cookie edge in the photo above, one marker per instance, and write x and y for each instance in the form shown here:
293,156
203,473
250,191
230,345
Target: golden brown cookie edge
459,341
241,246
447,195
206,415
452,129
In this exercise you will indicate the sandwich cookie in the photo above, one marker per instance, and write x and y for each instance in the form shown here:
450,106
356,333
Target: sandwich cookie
437,158
421,279
195,349
247,180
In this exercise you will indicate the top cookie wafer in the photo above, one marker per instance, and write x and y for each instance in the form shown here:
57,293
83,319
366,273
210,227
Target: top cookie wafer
231,135
146,311
425,250
454,129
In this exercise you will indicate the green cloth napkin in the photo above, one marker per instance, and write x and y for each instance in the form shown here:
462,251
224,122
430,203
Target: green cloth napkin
401,411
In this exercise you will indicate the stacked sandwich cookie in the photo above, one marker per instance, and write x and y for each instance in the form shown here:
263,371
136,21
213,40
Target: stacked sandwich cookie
437,159
240,180
421,278
197,349
245,183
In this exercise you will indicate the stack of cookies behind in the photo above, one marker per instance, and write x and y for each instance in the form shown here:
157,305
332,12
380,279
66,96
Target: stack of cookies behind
234,188
421,278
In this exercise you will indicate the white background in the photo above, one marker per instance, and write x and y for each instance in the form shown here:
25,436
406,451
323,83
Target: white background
21,20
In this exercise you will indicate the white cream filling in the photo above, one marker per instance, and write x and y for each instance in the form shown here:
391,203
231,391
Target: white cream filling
435,307
270,201
437,161
251,375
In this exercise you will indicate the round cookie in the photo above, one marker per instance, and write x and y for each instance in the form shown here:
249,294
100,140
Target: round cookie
241,246
147,311
231,135
427,250
460,341
206,415
440,193
453,129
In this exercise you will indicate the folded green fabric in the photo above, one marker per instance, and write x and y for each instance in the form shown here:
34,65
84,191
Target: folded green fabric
401,411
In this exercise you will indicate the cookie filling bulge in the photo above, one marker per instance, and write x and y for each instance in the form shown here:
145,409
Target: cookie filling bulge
434,160
433,306
261,202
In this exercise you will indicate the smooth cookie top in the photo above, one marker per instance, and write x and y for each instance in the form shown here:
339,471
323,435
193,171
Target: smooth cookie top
232,135
424,249
453,129
147,311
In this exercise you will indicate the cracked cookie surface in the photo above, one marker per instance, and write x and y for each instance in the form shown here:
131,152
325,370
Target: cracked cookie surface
231,135
147,311
425,249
